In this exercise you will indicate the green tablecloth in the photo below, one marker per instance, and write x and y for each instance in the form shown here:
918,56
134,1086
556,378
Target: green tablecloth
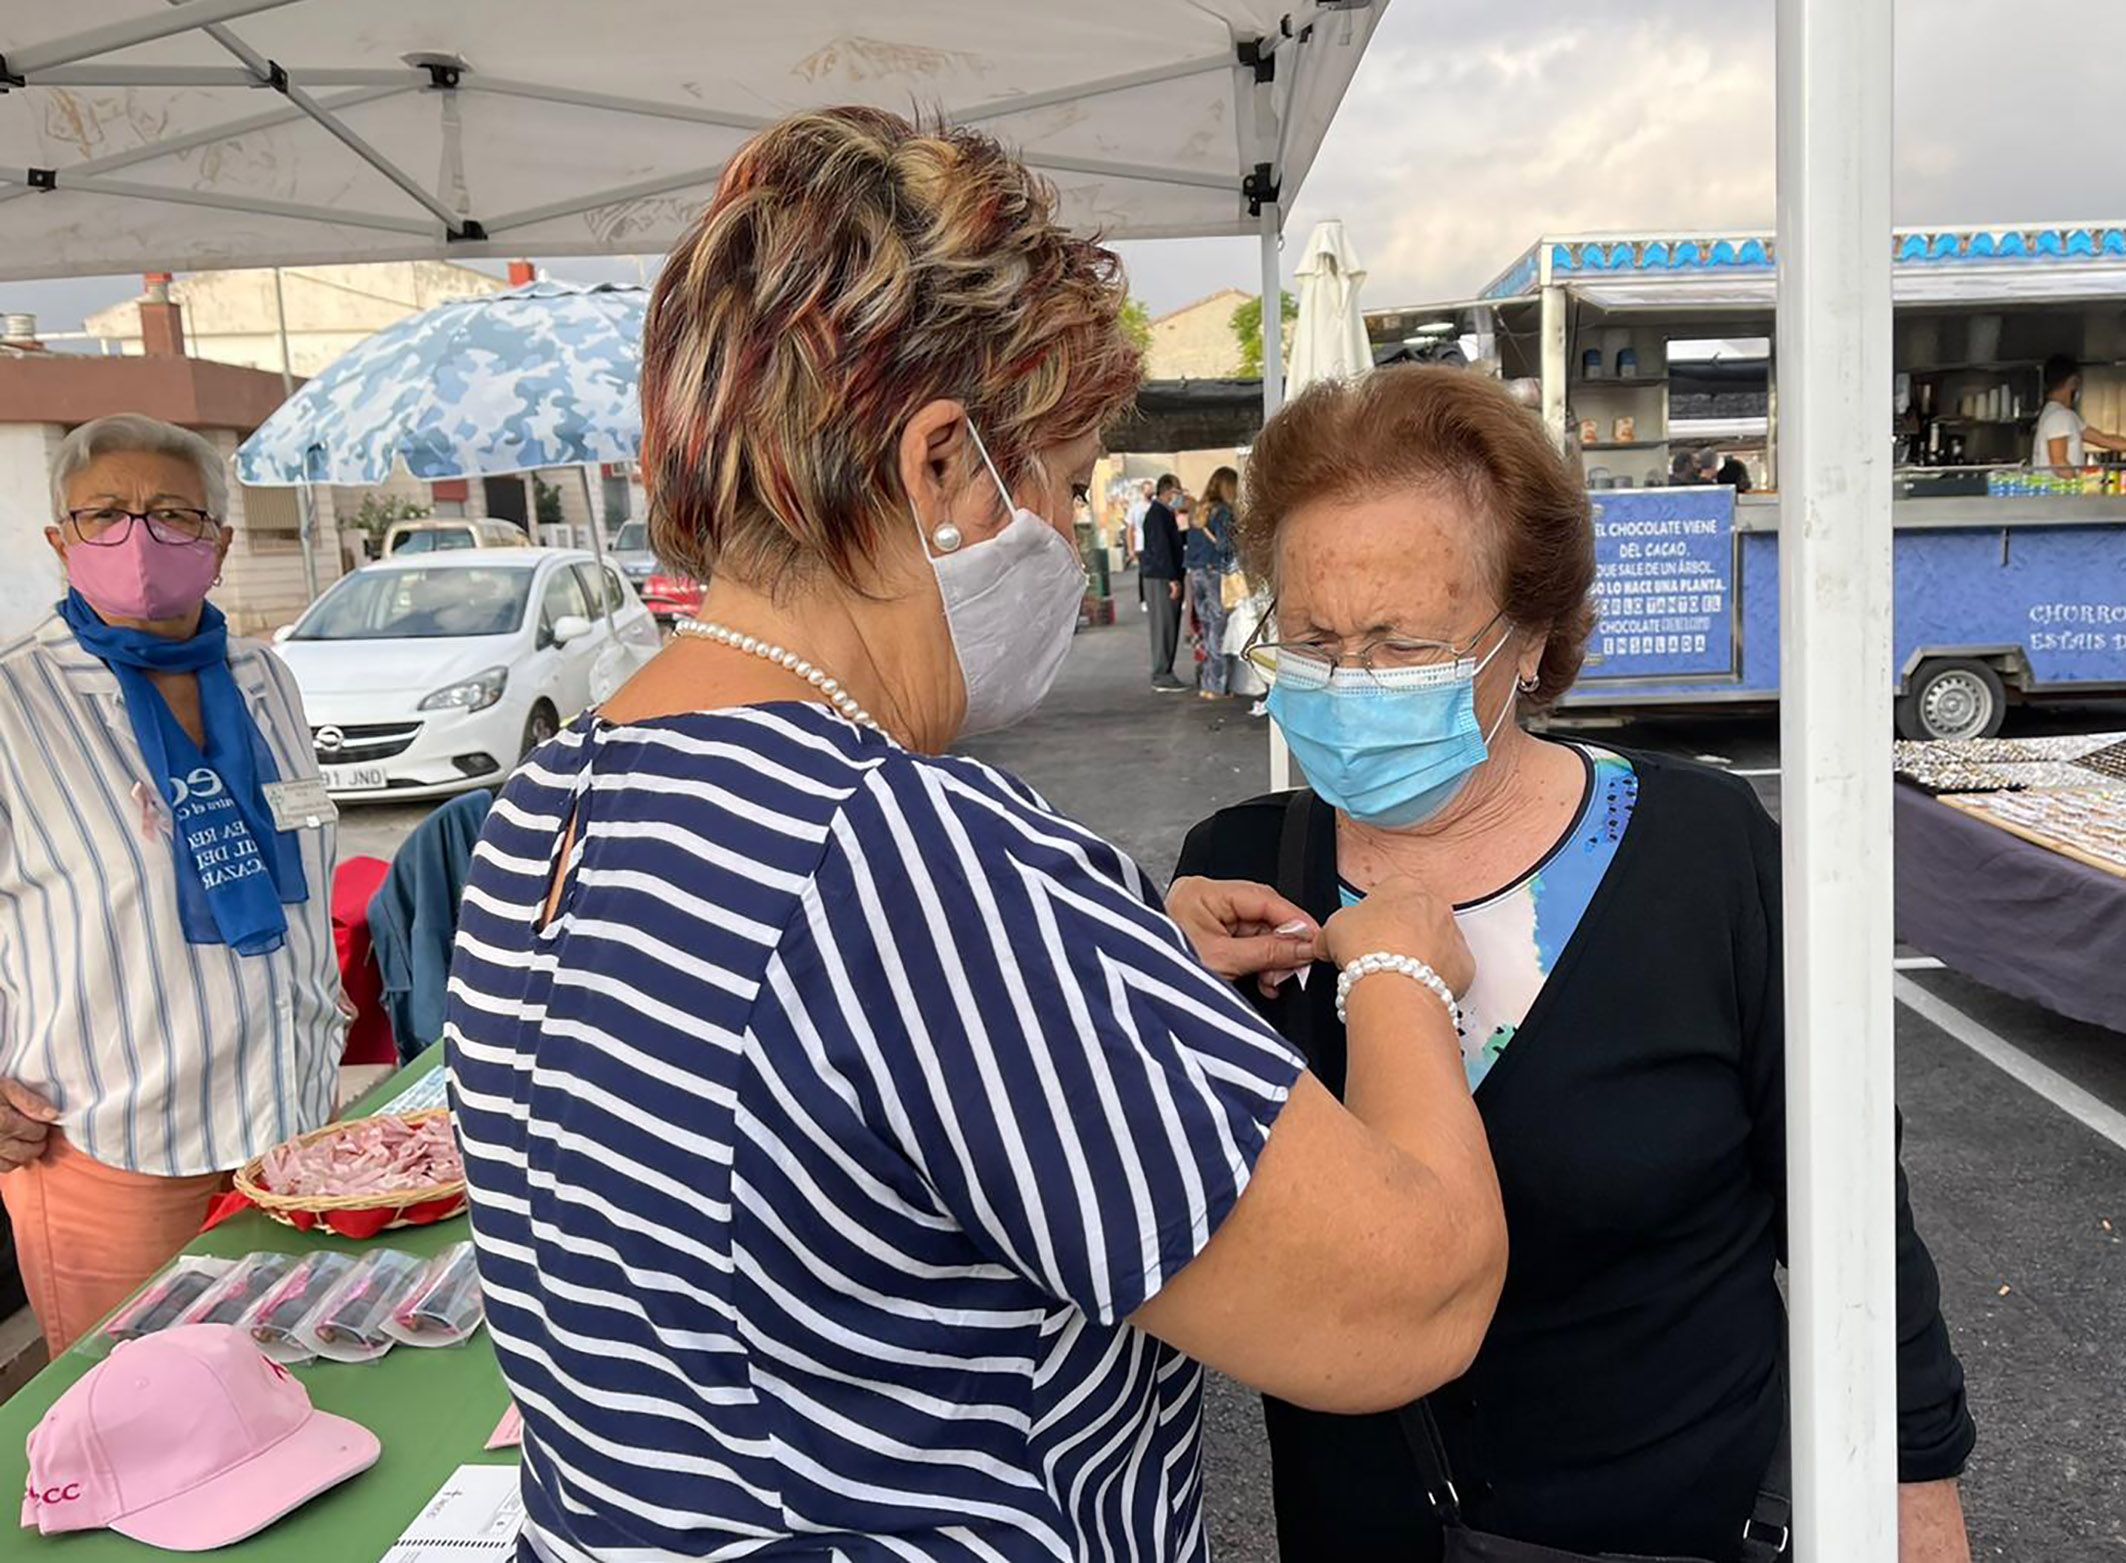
432,1408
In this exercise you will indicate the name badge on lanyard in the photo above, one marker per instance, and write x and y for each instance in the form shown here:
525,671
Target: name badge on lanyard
301,805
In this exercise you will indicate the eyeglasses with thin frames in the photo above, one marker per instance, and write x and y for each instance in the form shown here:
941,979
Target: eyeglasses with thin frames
1390,661
104,527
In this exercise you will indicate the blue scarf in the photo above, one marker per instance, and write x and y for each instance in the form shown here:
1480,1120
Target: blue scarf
234,870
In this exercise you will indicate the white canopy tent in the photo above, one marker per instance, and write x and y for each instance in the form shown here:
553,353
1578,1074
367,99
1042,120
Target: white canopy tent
281,132
271,132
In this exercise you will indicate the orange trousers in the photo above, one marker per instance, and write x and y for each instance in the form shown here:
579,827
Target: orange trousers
87,1235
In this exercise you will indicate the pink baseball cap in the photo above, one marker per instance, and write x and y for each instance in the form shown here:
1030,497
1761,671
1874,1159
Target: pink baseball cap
189,1439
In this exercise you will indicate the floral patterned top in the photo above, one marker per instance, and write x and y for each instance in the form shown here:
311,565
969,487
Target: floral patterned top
1517,934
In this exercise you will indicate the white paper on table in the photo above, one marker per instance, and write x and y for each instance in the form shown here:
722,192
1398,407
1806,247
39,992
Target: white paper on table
477,1514
423,1094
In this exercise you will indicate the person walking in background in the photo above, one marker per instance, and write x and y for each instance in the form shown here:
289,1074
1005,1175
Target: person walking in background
169,987
1160,568
1135,521
1208,554
1734,474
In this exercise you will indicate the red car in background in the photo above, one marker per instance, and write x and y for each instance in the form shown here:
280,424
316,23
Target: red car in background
669,596
666,593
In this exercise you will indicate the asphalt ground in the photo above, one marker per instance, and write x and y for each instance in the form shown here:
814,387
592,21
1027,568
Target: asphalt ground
2023,1205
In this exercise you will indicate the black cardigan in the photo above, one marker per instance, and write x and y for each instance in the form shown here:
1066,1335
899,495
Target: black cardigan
1627,1398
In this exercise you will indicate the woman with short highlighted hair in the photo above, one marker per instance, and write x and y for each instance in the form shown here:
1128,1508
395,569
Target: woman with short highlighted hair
857,1153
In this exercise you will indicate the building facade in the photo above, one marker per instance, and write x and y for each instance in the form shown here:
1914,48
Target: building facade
43,395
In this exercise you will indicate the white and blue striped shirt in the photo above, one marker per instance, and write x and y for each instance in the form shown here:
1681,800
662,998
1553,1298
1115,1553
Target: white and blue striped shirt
162,1056
821,1144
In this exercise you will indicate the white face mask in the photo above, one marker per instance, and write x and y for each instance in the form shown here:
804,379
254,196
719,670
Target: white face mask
1012,605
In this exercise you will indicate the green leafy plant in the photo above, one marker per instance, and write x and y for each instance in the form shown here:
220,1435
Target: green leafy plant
1137,324
549,502
1247,331
378,511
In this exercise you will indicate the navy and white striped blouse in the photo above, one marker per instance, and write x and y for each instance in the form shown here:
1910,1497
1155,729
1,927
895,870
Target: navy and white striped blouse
822,1142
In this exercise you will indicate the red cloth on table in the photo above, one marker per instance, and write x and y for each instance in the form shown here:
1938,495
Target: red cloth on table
353,883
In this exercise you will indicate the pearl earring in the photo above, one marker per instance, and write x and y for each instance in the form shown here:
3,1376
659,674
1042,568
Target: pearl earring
1527,684
947,538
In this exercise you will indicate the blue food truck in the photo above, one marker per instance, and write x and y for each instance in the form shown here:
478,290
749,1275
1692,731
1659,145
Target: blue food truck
1654,352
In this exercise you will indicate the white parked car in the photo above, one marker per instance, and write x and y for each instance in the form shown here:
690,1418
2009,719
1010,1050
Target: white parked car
429,673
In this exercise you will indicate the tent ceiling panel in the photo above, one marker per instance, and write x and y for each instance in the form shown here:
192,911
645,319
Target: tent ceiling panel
574,130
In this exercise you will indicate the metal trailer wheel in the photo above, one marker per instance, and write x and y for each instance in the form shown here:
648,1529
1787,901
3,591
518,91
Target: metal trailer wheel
1953,697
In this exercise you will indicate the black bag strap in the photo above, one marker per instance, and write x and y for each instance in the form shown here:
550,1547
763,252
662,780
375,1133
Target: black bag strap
1420,1429
1429,1450
1292,843
1768,1532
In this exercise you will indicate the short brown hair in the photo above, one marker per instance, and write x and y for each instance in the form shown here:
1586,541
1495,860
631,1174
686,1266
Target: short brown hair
853,266
1418,425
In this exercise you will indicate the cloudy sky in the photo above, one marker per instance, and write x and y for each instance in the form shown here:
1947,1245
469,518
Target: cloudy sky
1476,125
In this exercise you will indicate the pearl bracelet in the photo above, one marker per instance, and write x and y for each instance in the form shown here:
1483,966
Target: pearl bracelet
1404,965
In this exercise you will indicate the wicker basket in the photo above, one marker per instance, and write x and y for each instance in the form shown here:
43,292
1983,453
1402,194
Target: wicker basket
352,1215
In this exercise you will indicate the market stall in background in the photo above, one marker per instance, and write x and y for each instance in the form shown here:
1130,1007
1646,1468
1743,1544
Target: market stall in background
2011,865
1657,350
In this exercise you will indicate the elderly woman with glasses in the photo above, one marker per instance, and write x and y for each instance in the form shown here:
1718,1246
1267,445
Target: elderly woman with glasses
1623,1038
169,995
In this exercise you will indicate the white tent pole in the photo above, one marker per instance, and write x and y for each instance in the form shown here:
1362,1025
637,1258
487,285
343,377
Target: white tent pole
253,205
1272,315
642,108
205,138
137,30
1834,138
594,502
221,76
271,74
1272,399
1556,363
1028,102
1261,108
307,522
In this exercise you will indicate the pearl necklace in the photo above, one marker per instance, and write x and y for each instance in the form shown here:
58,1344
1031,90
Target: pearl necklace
724,635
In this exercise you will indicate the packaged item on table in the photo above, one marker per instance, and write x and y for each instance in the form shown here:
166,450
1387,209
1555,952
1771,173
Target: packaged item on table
443,1305
348,1326
164,1300
231,1297
276,1321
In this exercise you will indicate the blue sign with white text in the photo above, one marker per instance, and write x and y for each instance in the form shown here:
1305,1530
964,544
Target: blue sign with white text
1664,583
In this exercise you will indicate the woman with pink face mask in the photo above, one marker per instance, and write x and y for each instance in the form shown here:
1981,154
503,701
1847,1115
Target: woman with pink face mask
168,987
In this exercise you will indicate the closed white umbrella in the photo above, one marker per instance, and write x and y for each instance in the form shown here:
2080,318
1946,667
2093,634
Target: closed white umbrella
1328,343
1329,340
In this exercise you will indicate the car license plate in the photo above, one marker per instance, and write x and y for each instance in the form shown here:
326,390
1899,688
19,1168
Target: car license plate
354,778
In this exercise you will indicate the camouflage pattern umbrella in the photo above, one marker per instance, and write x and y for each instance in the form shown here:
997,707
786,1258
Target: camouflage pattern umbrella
543,375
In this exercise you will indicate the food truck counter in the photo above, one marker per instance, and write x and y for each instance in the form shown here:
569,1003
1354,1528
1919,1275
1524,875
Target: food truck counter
1759,512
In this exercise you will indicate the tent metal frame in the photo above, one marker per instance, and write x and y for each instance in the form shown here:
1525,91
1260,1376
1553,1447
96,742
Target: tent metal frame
74,61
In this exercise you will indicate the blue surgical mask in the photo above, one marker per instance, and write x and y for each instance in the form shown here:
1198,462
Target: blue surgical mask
1389,748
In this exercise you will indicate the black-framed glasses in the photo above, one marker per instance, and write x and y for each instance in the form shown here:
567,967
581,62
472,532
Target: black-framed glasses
1390,661
175,524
